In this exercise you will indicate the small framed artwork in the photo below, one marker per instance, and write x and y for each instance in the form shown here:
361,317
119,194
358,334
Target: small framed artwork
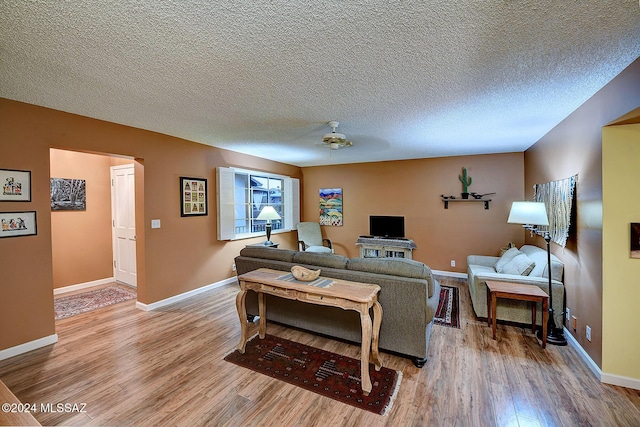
68,194
16,185
331,206
193,196
15,224
635,240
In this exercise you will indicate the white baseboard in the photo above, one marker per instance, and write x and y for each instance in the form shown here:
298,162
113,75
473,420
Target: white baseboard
583,355
79,286
618,380
183,296
28,346
604,377
450,274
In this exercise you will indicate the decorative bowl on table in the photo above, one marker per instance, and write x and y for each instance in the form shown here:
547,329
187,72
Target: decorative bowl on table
304,274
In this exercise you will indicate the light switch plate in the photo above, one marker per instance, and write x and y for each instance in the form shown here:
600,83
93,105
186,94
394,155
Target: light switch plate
155,223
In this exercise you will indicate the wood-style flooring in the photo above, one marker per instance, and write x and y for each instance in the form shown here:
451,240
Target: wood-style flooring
166,367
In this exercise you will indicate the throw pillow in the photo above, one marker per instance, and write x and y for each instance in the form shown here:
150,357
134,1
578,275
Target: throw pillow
506,258
520,264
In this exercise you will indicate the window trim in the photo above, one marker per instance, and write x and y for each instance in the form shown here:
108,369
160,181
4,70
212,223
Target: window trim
225,195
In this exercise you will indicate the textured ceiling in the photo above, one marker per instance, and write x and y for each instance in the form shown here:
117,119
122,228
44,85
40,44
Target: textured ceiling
405,79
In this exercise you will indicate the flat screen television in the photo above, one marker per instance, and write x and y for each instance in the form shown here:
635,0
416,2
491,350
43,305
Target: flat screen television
386,226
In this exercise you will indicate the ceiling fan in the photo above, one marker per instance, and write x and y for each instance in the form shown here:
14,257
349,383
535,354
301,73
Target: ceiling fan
335,140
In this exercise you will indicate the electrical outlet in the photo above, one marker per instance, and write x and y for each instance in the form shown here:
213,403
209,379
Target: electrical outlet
233,267
588,333
568,314
453,263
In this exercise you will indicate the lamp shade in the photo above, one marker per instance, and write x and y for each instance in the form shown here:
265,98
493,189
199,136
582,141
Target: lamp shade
532,213
268,213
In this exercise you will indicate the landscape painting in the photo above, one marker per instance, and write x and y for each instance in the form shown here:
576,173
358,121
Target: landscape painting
68,194
331,206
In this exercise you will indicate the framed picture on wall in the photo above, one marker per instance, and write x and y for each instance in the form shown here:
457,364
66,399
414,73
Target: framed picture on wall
15,224
68,194
193,196
16,185
635,240
331,206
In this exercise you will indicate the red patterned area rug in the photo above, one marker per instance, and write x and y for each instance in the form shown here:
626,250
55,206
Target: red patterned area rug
87,301
448,313
322,372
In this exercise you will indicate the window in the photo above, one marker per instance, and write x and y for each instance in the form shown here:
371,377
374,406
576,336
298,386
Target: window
243,193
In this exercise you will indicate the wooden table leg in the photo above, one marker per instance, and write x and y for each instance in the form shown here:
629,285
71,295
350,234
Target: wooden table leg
365,320
533,316
493,313
377,320
242,313
488,307
545,319
262,309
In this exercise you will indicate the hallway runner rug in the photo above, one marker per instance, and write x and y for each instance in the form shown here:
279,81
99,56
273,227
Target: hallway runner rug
325,373
87,301
448,313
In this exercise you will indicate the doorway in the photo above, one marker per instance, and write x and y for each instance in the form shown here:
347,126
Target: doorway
82,241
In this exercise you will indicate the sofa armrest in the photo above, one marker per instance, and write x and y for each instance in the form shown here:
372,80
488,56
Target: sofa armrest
484,260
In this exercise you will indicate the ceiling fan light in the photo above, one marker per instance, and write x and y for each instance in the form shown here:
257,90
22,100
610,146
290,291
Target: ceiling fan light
334,139
333,136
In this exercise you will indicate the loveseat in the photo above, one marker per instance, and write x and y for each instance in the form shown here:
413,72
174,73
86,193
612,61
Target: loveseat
409,298
531,269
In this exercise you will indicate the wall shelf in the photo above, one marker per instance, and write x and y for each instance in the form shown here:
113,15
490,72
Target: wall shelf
485,201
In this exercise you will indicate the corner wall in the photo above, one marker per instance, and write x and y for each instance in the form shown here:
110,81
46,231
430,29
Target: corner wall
575,147
412,188
76,258
181,256
621,273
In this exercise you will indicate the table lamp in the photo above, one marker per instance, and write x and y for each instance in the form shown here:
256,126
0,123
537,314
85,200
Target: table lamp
268,213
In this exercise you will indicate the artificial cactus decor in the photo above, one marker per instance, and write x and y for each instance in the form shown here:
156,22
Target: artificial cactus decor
466,182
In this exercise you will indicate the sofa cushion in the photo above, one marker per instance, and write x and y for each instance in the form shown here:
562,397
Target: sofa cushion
539,256
320,259
285,255
506,258
520,264
391,266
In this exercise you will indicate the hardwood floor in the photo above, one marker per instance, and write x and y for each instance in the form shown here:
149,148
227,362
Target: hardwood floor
166,367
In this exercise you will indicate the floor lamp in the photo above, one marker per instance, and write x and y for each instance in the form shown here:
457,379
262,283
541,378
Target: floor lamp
531,215
268,213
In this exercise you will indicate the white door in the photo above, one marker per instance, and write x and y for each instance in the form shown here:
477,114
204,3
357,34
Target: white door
123,224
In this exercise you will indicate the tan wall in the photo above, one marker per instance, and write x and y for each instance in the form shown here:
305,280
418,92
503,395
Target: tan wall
621,273
412,188
81,240
183,255
575,147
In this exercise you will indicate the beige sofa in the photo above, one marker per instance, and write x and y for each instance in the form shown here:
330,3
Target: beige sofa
409,297
481,268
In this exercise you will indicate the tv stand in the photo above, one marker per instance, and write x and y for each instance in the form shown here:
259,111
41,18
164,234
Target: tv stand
385,247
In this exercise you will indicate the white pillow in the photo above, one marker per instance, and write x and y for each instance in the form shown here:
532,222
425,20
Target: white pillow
506,258
520,264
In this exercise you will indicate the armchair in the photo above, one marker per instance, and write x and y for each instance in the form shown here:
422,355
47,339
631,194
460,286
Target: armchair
310,238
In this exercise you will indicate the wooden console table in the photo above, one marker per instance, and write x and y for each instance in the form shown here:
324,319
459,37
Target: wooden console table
380,247
520,292
322,291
